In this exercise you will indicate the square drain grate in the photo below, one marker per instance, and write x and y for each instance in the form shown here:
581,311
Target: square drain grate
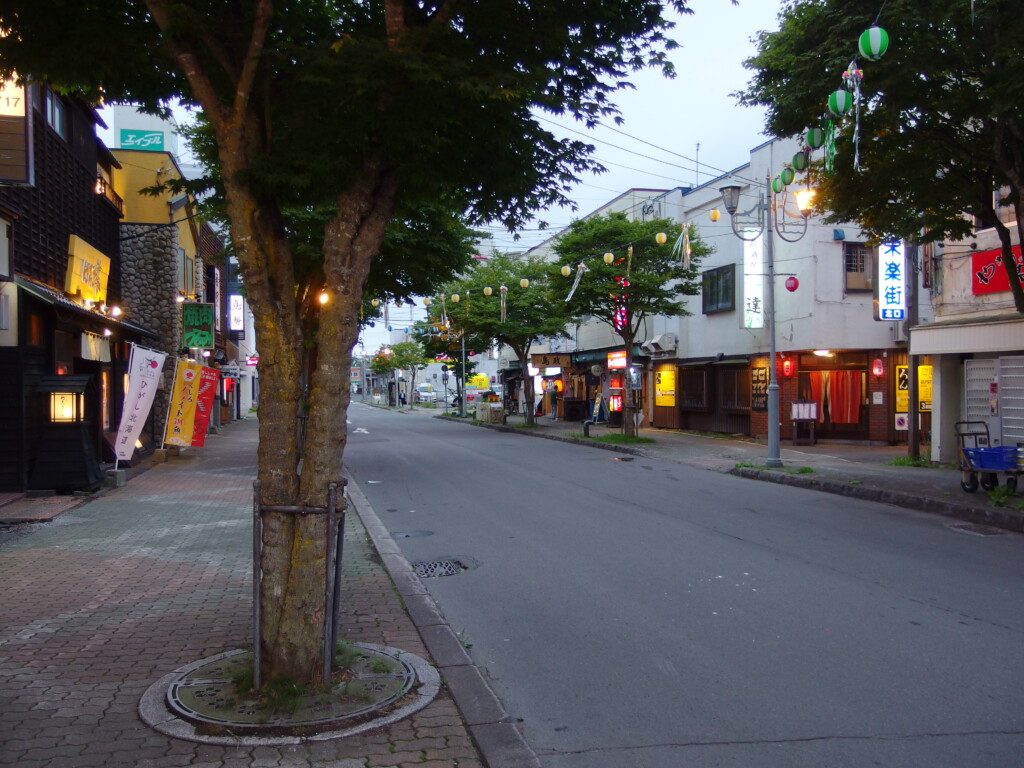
438,568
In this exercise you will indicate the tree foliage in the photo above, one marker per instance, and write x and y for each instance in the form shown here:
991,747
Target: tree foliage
941,118
644,279
528,316
366,110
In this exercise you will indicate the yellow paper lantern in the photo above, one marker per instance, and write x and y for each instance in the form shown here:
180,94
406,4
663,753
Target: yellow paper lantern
455,298
566,271
488,291
714,214
426,301
375,303
524,283
661,238
608,258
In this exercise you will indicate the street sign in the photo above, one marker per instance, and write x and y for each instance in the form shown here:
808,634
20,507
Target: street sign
230,371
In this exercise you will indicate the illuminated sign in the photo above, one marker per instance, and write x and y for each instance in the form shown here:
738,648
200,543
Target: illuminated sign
197,328
88,271
665,386
616,360
236,313
16,161
151,141
988,274
753,283
890,300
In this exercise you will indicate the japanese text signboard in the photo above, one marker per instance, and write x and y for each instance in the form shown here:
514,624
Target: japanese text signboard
753,283
759,389
197,326
181,416
144,369
665,387
924,389
208,379
988,274
890,300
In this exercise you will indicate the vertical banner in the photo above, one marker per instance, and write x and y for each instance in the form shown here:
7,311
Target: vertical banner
182,414
208,380
144,369
753,283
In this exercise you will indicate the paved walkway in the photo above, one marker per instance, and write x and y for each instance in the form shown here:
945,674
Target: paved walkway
119,590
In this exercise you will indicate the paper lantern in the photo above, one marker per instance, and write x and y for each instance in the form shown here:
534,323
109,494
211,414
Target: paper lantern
566,271
714,214
524,283
873,43
488,291
792,283
877,366
660,238
800,161
777,185
787,175
815,137
426,301
375,302
608,258
787,367
839,102
455,298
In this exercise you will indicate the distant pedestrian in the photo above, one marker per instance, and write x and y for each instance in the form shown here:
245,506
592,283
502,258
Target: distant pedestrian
401,398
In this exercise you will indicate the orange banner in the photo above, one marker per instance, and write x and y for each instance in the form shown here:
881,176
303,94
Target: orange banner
181,416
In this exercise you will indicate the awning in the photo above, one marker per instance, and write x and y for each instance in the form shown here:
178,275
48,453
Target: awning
60,301
966,338
601,355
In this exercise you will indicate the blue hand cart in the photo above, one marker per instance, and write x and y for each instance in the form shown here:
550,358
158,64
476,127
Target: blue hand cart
981,462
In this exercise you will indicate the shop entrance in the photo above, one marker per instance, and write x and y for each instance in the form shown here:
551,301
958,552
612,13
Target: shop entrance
838,383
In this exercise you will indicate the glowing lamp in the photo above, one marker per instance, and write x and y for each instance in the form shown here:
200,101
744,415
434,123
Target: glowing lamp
324,297
805,200
787,368
66,407
608,258
792,283
877,366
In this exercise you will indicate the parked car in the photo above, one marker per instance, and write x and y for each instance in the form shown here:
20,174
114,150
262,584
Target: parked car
425,393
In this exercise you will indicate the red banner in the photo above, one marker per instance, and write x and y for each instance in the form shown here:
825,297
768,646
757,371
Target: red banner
988,274
208,380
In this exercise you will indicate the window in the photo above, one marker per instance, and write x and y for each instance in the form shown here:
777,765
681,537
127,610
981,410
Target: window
719,289
735,387
693,388
186,274
54,109
859,260
1003,211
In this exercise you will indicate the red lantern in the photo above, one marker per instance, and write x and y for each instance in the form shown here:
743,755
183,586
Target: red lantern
792,283
787,368
877,366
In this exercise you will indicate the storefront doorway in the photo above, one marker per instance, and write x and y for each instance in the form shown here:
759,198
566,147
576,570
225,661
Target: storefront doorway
838,383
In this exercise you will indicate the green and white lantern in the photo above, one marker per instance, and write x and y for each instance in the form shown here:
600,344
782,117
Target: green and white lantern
786,175
873,43
839,102
815,137
800,161
777,185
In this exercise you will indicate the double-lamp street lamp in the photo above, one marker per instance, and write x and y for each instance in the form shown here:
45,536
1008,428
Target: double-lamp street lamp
769,216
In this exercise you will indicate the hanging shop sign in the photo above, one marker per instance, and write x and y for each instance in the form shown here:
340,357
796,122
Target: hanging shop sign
88,271
665,387
197,326
924,389
16,156
616,360
988,274
753,283
890,284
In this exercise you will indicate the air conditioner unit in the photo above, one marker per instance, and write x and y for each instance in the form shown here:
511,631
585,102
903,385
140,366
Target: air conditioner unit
663,342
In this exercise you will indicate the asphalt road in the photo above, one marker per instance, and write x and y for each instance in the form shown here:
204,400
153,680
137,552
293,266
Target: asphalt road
637,612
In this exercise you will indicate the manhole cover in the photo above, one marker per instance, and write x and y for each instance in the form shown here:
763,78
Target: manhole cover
976,530
413,534
438,568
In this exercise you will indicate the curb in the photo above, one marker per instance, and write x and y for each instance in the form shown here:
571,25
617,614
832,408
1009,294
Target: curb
492,729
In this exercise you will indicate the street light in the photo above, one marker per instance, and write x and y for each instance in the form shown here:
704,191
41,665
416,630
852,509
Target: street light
767,216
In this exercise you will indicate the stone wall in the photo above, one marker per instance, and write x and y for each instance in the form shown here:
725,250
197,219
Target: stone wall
149,289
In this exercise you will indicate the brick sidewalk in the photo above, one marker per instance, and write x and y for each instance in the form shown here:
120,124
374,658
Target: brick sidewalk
127,587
